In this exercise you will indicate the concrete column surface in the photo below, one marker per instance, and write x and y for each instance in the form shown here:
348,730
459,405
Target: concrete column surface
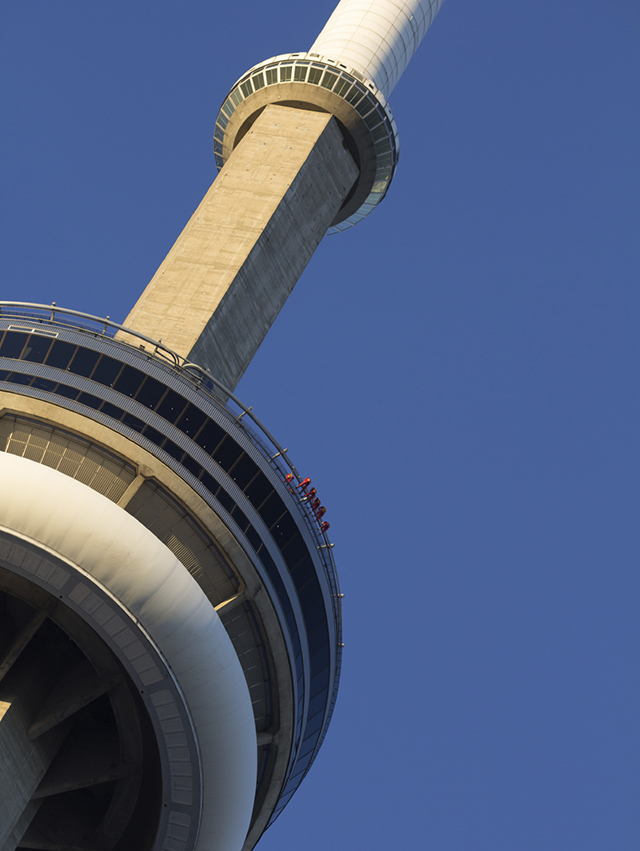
225,280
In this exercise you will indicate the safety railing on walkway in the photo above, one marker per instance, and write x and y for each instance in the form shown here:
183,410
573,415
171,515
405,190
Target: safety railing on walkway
277,457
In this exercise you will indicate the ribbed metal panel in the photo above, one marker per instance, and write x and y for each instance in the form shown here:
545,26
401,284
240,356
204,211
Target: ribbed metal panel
377,38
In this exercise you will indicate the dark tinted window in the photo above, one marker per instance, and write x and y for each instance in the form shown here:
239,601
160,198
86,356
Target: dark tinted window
60,354
209,482
227,453
153,435
294,549
302,763
283,801
309,594
291,619
175,451
36,349
150,393
224,499
281,591
129,381
13,344
304,572
133,422
309,744
44,384
210,437
269,563
319,681
284,530
66,391
19,378
240,517
354,95
84,362
314,723
298,773
259,490
317,638
191,421
295,641
364,106
254,538
191,465
106,371
321,658
172,406
315,616
243,471
272,509
111,410
89,400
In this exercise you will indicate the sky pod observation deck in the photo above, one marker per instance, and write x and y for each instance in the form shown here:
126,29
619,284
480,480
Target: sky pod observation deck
311,81
153,435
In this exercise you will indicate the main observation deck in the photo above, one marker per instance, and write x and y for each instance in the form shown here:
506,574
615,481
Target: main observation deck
161,439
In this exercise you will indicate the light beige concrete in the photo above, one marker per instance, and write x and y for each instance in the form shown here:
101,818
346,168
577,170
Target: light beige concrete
223,283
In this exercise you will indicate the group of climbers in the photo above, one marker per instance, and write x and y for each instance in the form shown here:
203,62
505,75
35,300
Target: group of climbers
309,496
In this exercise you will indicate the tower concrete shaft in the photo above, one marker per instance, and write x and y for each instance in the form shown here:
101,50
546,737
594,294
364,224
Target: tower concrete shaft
289,170
225,280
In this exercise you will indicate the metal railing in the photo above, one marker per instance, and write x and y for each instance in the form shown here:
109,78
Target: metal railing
202,380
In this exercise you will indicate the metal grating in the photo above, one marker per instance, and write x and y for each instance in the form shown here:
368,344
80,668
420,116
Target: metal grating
161,514
69,454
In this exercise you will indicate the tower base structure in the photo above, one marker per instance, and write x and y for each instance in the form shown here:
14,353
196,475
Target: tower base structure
171,629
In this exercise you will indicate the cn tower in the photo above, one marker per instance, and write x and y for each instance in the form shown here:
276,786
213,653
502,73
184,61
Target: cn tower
171,638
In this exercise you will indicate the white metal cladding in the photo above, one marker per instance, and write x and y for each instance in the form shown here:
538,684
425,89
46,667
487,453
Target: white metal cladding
113,549
376,37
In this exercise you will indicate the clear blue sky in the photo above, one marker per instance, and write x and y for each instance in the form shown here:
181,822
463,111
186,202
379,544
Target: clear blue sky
458,376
